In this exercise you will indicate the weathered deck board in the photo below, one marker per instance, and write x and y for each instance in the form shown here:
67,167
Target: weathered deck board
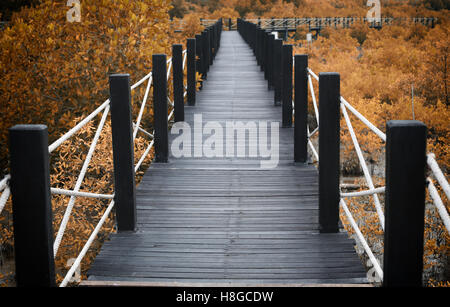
226,220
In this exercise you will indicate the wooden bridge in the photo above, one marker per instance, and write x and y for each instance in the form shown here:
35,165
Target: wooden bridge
226,220
231,218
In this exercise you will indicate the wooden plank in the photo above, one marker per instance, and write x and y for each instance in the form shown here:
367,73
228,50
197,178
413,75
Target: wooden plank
106,283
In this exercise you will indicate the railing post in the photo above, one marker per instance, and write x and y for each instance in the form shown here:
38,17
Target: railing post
206,50
301,109
329,142
220,33
160,108
177,72
191,71
263,50
123,152
199,66
211,45
229,24
216,39
277,70
286,85
271,40
257,42
405,203
32,210
213,42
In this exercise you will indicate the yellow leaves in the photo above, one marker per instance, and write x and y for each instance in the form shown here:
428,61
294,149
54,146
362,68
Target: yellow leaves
132,41
57,71
143,6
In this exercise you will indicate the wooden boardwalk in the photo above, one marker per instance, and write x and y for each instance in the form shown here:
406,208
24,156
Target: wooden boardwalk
226,220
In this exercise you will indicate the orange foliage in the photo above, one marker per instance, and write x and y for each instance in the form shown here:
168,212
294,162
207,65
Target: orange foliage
53,71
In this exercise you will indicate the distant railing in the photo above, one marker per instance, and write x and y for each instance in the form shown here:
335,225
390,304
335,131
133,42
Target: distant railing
344,22
403,225
313,23
31,201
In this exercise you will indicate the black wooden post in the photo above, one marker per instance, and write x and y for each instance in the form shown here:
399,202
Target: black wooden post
229,24
269,53
405,203
329,141
210,50
257,49
191,71
206,50
199,54
177,71
123,151
213,43
301,109
263,51
261,48
160,108
32,209
277,70
287,85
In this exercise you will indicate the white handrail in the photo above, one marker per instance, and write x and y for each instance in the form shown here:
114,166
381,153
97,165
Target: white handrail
184,59
364,193
363,241
138,165
362,163
439,204
438,174
4,182
78,183
86,247
313,74
169,69
314,132
80,194
80,125
6,192
143,130
316,155
364,120
313,96
141,111
141,81
4,198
